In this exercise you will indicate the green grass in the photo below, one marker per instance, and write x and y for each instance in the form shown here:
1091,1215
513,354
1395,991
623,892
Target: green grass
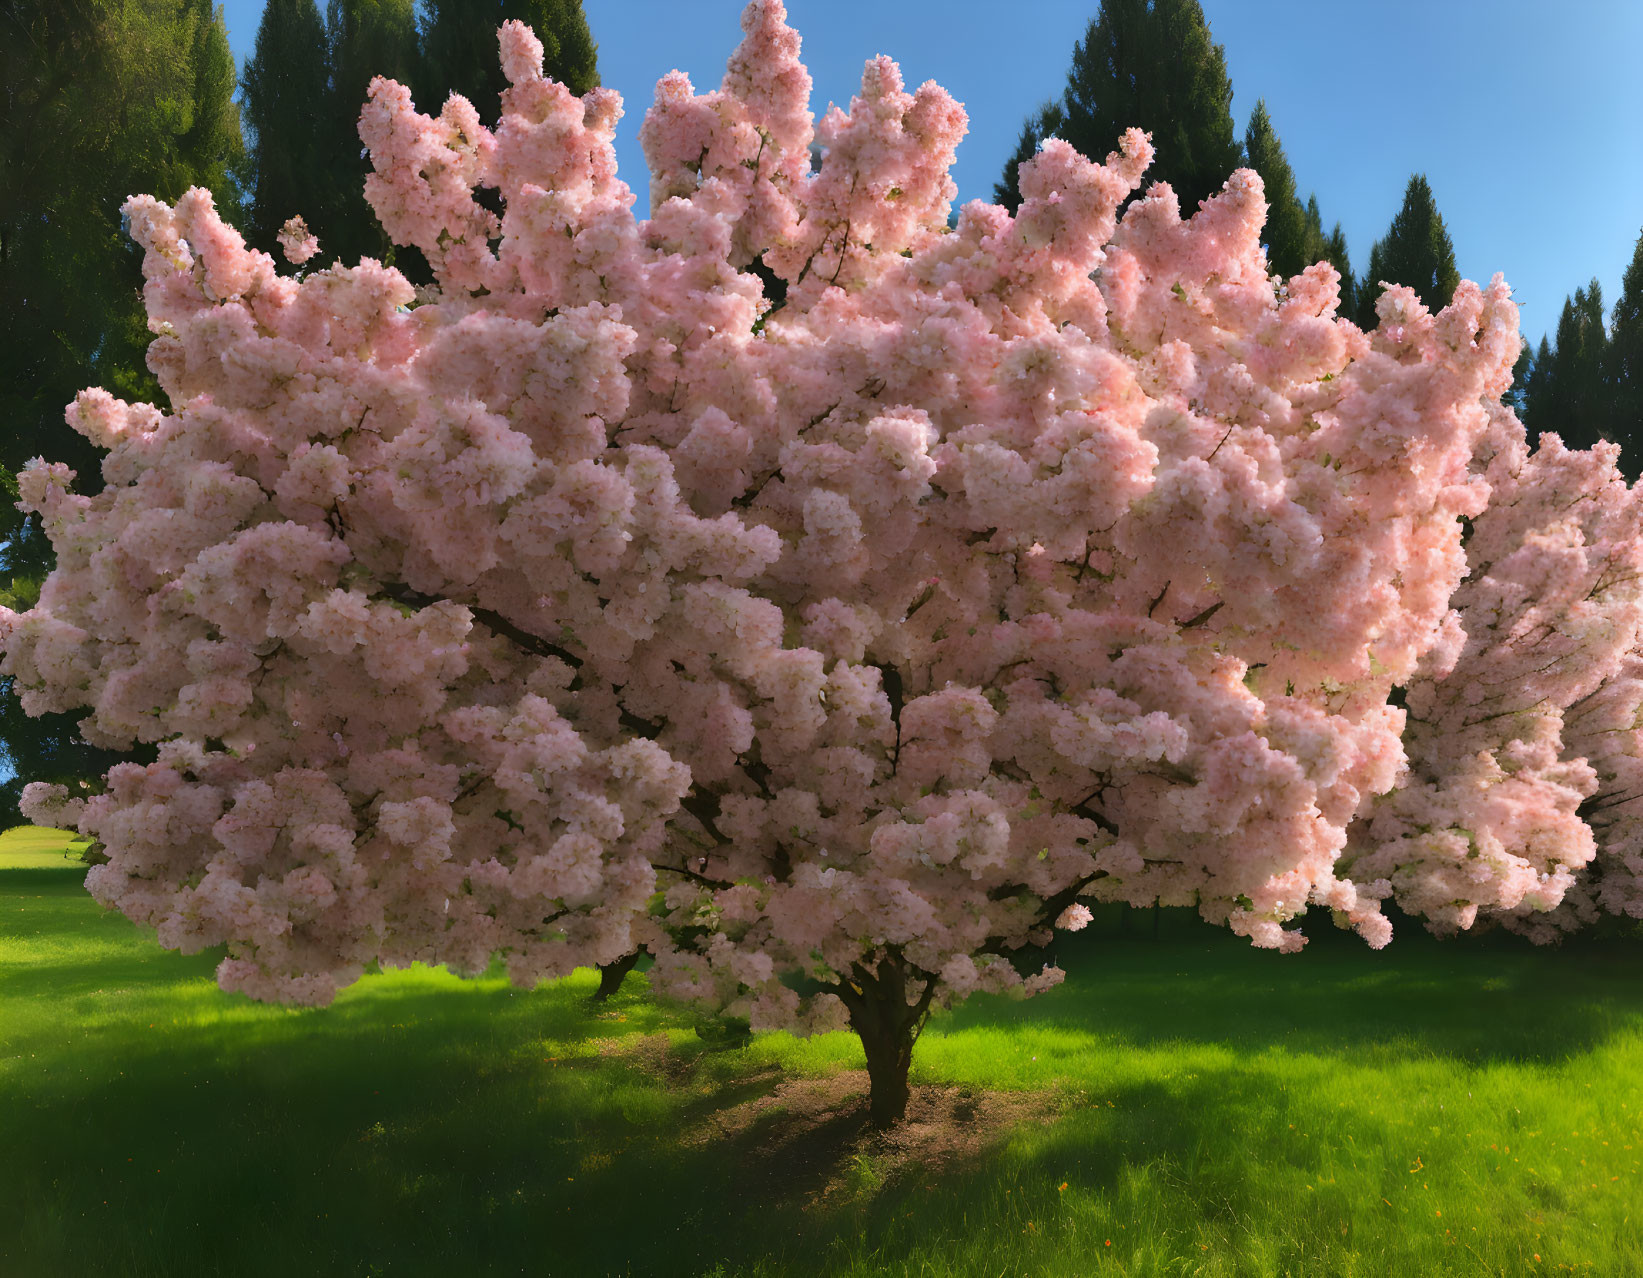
1433,1109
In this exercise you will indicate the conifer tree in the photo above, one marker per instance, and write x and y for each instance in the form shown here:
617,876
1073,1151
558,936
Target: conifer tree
1623,366
1332,249
308,78
1537,391
1416,251
286,92
1517,397
1149,64
1290,240
458,48
1574,401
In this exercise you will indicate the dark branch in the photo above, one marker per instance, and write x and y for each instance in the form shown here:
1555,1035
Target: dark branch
493,621
692,875
891,678
1202,617
704,806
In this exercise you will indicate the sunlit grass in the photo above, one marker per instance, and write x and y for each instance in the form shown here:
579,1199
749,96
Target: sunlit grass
1432,1109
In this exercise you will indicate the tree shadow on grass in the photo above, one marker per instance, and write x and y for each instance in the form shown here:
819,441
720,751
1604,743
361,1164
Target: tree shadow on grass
421,1127
410,1133
1474,998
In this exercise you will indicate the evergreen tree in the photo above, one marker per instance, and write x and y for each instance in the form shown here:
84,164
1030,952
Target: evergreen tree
1623,366
1291,232
1536,391
1415,251
1331,248
1048,121
286,92
364,39
98,99
1148,64
304,85
1576,405
308,77
458,48
1566,391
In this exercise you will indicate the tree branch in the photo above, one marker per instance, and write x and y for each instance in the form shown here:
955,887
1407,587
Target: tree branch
493,621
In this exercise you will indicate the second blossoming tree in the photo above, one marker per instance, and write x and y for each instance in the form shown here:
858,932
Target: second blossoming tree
823,597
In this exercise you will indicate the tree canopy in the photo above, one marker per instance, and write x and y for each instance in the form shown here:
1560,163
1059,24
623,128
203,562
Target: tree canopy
604,600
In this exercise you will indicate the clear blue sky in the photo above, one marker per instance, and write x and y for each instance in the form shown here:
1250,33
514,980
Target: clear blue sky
1524,115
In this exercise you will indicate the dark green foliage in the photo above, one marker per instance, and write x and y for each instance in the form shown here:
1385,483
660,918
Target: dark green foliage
1535,406
1415,251
304,86
458,48
1332,249
1623,366
285,82
308,79
99,99
1568,396
1147,64
1292,234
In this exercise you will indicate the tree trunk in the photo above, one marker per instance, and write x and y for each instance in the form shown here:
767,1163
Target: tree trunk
889,1051
611,976
888,1026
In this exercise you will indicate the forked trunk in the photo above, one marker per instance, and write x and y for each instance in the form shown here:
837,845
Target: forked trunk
611,976
888,1026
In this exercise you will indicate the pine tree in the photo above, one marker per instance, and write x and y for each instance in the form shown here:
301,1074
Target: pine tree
308,77
287,95
1566,391
1623,366
1576,401
1415,251
1537,392
458,48
364,39
1148,64
1290,240
1331,248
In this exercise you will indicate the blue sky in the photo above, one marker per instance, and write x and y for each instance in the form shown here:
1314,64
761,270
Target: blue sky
1524,116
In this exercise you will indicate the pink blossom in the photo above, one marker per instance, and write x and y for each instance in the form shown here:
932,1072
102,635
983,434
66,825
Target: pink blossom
592,598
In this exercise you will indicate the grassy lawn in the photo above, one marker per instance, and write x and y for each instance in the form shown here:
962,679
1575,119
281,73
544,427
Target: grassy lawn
1181,1106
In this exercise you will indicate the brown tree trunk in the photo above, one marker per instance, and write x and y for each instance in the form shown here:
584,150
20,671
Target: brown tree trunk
611,976
888,1026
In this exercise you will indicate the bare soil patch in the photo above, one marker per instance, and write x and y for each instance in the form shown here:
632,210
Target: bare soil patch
809,1137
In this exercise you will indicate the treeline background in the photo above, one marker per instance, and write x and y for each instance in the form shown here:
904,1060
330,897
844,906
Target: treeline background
103,98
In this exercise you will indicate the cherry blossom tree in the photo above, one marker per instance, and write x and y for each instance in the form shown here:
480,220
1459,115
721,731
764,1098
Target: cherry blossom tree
828,600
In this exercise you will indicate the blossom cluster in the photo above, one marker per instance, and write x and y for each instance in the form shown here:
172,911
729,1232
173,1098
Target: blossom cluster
797,575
